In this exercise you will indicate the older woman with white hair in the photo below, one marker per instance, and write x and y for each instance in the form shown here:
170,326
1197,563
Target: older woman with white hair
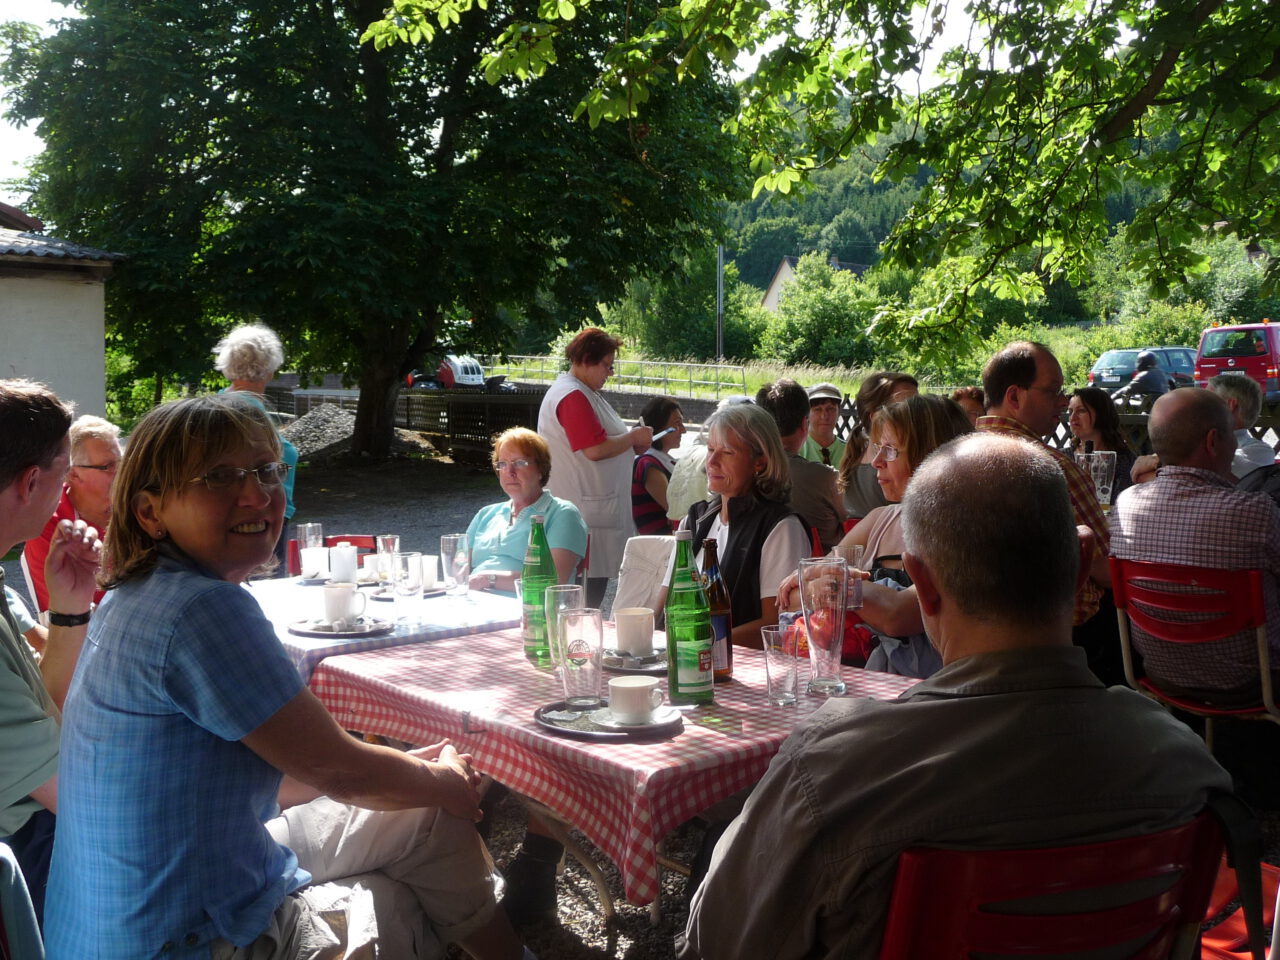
249,357
759,538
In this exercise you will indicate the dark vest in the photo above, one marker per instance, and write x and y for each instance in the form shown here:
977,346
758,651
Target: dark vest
751,520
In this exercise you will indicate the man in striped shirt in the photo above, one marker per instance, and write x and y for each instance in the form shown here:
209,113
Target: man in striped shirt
1023,386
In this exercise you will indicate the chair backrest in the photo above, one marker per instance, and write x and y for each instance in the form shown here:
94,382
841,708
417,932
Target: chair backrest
1183,604
643,572
363,542
1162,599
1148,891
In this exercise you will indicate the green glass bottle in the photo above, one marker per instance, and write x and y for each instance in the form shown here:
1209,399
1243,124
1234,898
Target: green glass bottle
689,639
538,573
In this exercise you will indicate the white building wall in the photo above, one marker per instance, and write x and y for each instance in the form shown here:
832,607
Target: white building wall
51,329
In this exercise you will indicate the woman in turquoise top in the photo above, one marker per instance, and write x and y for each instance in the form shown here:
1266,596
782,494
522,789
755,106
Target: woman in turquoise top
499,533
249,357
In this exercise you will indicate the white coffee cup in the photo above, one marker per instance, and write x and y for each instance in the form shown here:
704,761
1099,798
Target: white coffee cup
430,571
314,561
343,604
634,630
342,561
633,699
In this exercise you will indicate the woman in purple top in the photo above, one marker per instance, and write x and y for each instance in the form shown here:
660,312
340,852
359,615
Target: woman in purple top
187,731
652,469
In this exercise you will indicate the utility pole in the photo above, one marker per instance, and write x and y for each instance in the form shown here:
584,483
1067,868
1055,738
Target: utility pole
720,302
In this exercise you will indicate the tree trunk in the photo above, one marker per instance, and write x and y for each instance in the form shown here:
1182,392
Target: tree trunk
375,415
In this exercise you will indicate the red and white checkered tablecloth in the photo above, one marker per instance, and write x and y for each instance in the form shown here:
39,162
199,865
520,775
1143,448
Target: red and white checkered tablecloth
287,601
481,693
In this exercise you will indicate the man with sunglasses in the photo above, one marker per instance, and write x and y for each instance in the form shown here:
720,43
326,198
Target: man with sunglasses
86,495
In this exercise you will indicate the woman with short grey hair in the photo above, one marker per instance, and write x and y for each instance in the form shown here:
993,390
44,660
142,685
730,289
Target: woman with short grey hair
249,357
759,538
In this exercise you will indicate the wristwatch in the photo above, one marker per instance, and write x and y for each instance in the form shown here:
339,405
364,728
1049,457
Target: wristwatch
493,581
68,619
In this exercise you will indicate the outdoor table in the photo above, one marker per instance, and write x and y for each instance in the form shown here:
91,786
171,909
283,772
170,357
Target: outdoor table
481,693
287,601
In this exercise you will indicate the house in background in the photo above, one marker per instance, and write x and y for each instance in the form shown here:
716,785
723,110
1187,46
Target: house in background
787,269
51,311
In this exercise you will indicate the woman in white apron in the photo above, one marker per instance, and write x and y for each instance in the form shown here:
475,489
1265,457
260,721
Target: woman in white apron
592,451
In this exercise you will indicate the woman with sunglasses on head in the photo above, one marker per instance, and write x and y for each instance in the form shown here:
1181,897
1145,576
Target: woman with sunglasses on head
902,434
187,730
499,533
858,477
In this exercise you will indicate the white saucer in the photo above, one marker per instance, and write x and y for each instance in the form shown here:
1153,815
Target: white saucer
662,716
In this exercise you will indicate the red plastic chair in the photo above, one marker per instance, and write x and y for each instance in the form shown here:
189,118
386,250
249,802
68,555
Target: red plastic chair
1226,603
955,903
363,542
1229,940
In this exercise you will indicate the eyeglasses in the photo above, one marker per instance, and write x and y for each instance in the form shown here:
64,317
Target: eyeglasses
1056,393
111,467
223,478
500,465
884,450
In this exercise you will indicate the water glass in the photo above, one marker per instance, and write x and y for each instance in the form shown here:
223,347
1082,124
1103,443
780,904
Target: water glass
581,642
388,547
558,598
782,667
309,534
852,556
455,556
406,575
823,583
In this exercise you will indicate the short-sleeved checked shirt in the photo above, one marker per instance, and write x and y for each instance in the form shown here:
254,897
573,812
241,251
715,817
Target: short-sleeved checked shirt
1084,504
161,845
1198,518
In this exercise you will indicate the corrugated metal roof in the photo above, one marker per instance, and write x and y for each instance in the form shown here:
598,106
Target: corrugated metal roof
15,243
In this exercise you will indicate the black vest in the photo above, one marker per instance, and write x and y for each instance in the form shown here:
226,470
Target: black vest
751,520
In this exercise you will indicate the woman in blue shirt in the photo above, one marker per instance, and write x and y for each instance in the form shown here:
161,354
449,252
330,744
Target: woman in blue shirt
499,533
187,730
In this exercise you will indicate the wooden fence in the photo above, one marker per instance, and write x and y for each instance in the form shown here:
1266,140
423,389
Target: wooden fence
465,421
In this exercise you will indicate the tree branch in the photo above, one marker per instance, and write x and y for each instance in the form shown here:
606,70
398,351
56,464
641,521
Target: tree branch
1118,126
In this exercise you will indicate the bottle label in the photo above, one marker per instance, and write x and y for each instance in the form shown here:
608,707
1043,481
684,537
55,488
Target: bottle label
720,641
693,668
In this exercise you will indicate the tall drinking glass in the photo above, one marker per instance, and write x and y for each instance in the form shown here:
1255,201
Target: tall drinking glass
455,557
388,547
406,579
823,582
1103,468
581,640
309,534
558,598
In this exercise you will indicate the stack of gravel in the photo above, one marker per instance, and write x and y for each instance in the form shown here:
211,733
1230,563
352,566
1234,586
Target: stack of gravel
324,432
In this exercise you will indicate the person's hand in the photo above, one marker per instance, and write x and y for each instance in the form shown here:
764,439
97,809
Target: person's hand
1144,468
789,597
641,438
456,782
71,569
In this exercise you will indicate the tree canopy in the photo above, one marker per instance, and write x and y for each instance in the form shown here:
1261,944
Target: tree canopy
1047,112
254,160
